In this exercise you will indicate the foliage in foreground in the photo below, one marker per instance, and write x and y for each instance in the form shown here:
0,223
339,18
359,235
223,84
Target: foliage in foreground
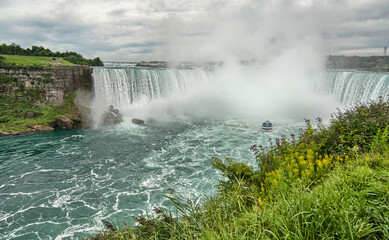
331,183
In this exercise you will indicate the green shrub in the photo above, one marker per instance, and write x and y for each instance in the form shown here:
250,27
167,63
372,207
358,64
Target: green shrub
380,141
234,172
353,127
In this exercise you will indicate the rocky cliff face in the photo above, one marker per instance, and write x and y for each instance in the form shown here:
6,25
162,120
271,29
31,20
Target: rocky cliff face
53,83
44,100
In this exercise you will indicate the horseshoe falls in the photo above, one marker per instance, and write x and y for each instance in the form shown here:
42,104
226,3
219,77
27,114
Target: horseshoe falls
354,87
61,184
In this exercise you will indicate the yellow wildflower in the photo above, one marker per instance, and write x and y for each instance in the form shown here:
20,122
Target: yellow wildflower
325,162
319,163
275,182
311,167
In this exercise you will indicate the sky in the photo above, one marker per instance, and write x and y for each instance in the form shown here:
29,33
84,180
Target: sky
196,30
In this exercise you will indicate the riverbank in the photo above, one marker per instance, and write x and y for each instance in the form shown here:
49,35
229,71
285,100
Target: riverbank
331,182
28,112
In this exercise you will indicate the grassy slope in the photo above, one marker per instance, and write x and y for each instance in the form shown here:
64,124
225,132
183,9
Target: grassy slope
13,113
351,203
34,60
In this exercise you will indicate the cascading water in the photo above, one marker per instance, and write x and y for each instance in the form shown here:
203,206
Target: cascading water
218,92
353,87
147,93
125,86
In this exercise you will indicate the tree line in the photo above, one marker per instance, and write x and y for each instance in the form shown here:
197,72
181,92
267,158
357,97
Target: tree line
73,57
371,63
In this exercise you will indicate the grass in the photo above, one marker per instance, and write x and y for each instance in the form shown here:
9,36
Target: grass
34,61
330,183
351,203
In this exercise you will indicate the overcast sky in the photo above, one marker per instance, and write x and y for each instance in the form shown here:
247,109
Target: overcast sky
135,30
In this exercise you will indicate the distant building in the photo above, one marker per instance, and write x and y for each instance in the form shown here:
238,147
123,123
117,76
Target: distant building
385,48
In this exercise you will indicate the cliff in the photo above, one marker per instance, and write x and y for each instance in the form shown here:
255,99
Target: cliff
54,83
42,100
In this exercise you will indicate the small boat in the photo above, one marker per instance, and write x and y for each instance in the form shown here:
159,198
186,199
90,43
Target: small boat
267,126
267,129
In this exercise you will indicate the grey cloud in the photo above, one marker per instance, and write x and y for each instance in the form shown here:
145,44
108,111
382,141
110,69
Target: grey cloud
117,12
182,29
142,51
142,44
373,10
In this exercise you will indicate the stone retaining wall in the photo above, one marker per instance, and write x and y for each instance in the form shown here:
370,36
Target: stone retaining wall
55,82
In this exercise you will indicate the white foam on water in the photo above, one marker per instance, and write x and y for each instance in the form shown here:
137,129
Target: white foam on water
75,229
61,201
153,182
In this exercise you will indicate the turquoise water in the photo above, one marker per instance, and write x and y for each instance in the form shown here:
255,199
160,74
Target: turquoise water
61,184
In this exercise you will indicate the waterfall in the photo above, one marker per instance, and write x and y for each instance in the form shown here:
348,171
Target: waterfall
353,87
203,92
126,86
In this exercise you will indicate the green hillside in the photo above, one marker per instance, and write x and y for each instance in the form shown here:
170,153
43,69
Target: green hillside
35,61
72,57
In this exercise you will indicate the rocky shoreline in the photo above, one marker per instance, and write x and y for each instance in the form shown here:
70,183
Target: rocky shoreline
34,128
61,123
43,100
80,119
2,134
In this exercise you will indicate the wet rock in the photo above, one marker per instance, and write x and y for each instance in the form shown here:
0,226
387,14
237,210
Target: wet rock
137,121
78,122
41,127
4,133
17,132
116,111
63,123
112,116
